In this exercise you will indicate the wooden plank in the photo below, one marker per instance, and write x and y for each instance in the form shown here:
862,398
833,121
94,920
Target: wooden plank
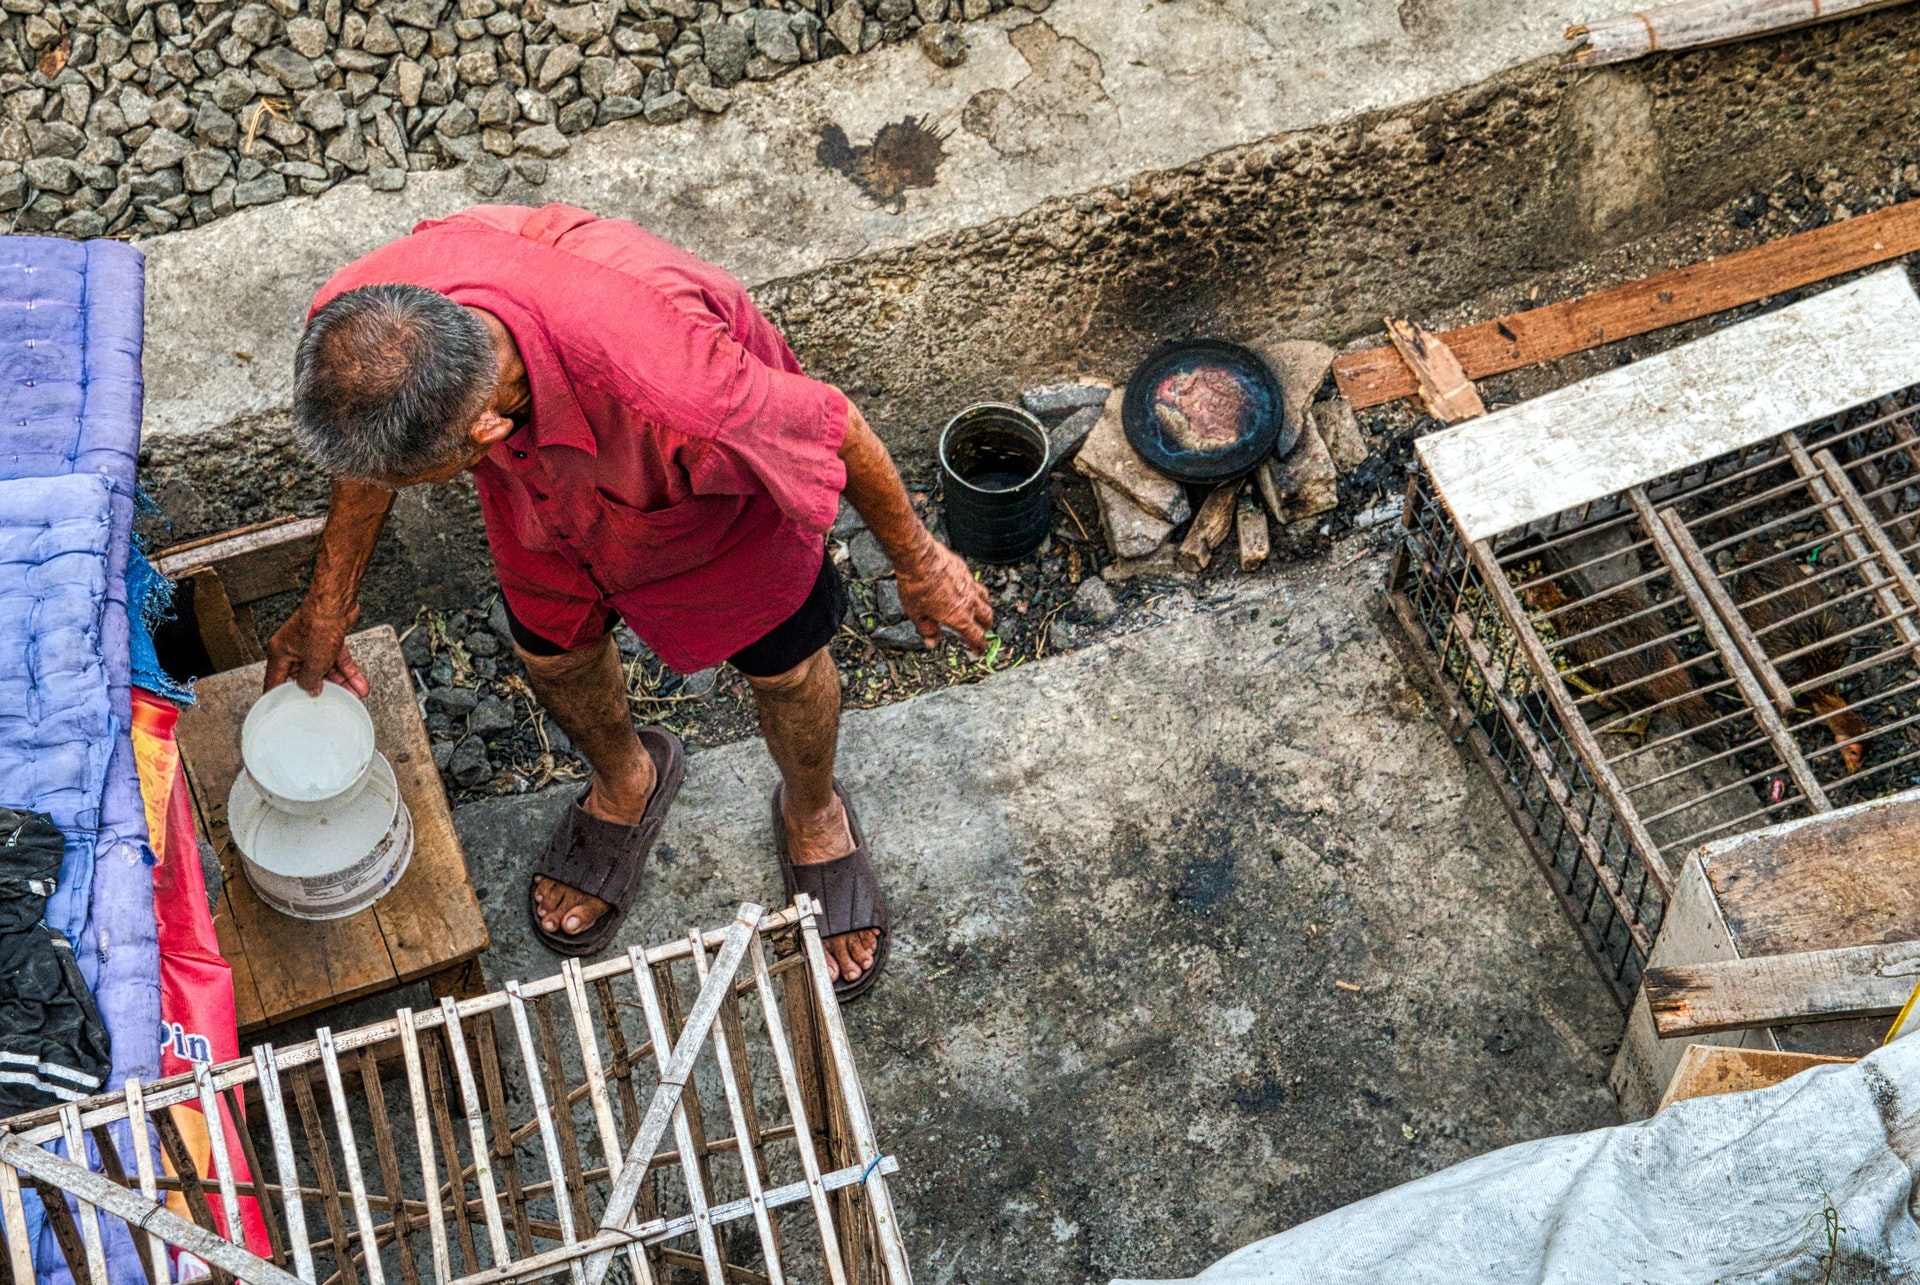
1695,24
427,923
1730,389
226,630
1250,522
1379,375
1444,388
1815,985
253,562
1708,1070
1211,525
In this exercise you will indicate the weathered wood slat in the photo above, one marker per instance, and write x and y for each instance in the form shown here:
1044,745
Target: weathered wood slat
1773,990
253,562
1696,24
1378,375
1445,390
1708,1070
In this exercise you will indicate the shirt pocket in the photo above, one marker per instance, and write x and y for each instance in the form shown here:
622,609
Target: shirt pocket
641,546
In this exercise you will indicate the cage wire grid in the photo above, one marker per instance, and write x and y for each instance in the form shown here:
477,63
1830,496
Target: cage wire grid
1731,645
435,1147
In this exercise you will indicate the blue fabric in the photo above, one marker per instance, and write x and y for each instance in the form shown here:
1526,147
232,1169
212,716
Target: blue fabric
150,601
56,726
70,404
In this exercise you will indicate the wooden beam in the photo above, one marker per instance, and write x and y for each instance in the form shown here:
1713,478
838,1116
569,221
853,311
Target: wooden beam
1694,24
253,562
1211,525
1708,1070
1778,990
1379,375
1445,390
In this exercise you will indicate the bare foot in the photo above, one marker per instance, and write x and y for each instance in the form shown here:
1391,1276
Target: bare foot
822,837
564,909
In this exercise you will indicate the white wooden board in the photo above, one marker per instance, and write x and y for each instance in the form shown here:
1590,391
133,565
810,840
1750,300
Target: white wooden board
1635,423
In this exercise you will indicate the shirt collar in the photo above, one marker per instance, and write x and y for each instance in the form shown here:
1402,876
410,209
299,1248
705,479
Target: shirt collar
555,418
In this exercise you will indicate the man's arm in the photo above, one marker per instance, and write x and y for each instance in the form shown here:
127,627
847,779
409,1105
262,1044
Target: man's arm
935,586
312,646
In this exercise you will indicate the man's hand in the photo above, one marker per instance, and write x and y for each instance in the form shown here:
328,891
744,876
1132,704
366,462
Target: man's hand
937,589
311,648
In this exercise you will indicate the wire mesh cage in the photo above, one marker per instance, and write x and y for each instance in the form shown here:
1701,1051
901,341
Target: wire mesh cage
685,1112
1730,640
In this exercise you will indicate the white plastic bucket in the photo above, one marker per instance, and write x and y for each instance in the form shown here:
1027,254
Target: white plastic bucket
327,864
307,754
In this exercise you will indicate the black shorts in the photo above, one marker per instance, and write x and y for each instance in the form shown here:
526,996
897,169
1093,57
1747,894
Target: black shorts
811,627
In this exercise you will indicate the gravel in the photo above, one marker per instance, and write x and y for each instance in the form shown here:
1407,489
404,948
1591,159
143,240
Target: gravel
130,117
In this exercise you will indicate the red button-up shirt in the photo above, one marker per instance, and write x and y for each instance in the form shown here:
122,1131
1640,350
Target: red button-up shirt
676,466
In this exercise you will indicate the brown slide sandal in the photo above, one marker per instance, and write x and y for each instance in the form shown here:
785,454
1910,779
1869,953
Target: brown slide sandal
603,858
849,894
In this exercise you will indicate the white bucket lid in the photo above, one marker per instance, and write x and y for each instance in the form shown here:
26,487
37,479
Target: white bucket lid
303,749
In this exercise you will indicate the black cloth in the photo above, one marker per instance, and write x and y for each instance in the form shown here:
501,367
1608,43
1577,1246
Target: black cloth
810,627
53,1045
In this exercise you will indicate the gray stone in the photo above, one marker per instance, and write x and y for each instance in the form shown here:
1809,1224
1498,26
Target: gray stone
479,642
456,702
487,174
930,11
615,108
159,186
557,741
944,43
725,52
629,41
203,170
308,36
900,637
478,68
269,187
1065,437
417,647
162,150
135,106
497,106
531,169
169,112
627,642
256,24
761,67
709,98
1062,399
424,14
886,601
214,127
234,89
1062,636
869,560
349,148
579,23
576,116
1094,602
13,191
380,39
459,121
410,78
773,37
604,77
443,754
469,765
543,141
287,67
54,138
700,683
847,521
81,223
667,109
492,715
561,61
234,51
845,24
498,620
386,178
51,174
323,109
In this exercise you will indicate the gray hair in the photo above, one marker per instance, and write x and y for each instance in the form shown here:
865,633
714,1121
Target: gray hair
387,379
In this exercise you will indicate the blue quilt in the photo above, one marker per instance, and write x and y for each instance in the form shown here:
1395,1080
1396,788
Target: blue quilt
70,404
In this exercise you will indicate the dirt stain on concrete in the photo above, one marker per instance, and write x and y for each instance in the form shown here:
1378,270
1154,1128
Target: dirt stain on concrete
903,155
1064,83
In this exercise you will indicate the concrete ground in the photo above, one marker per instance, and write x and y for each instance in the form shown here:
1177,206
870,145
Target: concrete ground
1200,932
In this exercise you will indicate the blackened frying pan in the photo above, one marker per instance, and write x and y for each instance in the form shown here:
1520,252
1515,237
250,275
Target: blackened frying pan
1204,411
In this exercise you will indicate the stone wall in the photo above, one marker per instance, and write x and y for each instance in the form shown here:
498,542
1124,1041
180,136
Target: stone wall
126,116
1310,235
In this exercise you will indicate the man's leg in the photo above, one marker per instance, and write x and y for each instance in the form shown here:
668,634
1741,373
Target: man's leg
586,694
800,717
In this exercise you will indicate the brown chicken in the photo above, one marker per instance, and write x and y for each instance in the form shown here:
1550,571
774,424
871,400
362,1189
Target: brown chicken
1756,580
1644,677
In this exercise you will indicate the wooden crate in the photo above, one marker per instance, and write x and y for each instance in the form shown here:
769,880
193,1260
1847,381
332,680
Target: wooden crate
1708,1070
1845,878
